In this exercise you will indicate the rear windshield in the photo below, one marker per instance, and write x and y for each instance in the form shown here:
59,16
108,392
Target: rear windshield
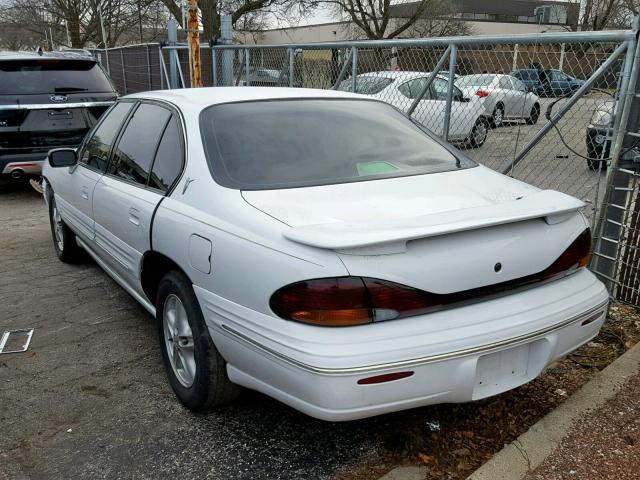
475,81
263,145
366,85
48,75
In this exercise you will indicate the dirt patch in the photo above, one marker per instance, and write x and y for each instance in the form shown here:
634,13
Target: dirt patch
604,445
454,440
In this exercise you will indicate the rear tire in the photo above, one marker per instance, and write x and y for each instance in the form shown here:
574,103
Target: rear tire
64,240
534,115
478,133
196,370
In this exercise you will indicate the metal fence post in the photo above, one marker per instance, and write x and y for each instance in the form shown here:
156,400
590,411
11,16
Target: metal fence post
214,66
612,212
292,66
343,71
124,73
149,68
226,38
452,76
162,68
172,36
354,68
247,80
515,57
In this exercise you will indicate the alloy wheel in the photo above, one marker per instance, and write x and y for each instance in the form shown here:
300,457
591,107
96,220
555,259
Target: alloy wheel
178,339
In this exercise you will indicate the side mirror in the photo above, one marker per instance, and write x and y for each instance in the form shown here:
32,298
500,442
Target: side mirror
62,157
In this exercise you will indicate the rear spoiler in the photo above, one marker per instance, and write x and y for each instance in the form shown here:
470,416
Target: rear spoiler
546,204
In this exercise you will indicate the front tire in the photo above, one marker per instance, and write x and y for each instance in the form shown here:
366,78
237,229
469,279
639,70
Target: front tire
64,240
196,370
534,115
497,117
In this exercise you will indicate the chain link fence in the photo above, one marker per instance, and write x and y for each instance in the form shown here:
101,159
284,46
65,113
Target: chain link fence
543,109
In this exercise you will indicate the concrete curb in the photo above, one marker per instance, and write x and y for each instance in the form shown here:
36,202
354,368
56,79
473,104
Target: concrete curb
531,448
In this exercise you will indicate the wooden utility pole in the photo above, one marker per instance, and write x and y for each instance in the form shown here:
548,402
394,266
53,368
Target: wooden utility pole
193,27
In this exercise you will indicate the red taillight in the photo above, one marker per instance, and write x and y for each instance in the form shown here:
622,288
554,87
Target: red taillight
344,301
482,93
574,257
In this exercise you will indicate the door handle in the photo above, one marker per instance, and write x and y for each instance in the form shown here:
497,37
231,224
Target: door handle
85,193
134,216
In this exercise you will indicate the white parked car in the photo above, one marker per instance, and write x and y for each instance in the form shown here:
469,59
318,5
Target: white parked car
504,97
321,248
469,123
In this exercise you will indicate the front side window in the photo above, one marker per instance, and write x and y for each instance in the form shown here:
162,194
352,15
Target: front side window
413,88
96,152
132,157
439,89
518,85
260,145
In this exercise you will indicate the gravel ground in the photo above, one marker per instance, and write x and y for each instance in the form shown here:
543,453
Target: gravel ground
90,398
603,445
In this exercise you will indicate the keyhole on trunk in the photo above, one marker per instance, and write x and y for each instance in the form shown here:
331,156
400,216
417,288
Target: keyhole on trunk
497,267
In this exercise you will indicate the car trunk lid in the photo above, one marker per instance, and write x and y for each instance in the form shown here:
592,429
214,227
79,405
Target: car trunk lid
442,233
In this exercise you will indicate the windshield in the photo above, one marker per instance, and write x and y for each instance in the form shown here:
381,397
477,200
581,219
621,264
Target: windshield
51,75
365,85
475,81
261,145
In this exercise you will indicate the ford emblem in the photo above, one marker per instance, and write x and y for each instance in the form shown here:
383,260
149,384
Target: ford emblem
58,98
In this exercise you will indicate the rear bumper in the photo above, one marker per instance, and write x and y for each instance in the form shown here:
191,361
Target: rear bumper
24,163
458,355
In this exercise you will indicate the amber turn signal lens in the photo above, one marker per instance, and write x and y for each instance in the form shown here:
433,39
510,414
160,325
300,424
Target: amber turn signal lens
334,318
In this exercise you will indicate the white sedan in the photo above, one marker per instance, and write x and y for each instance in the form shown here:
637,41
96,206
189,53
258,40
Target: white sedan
323,249
469,122
504,97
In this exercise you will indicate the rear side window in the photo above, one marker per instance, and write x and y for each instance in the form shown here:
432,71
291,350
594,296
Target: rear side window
50,75
96,152
133,156
168,163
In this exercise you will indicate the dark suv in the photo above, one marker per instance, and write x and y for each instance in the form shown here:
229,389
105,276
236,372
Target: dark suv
47,100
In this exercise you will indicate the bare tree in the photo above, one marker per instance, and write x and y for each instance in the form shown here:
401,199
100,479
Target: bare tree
76,23
243,12
378,19
602,14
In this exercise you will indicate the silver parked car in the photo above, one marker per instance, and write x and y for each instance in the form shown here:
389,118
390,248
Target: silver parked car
505,97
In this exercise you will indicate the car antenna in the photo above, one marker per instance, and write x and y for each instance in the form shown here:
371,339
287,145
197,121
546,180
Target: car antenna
39,51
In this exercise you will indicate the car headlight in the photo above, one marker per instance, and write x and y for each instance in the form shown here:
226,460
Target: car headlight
601,117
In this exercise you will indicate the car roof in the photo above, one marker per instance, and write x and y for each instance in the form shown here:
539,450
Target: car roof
207,96
61,55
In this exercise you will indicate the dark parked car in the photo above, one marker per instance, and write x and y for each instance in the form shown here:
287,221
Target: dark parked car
47,100
547,83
